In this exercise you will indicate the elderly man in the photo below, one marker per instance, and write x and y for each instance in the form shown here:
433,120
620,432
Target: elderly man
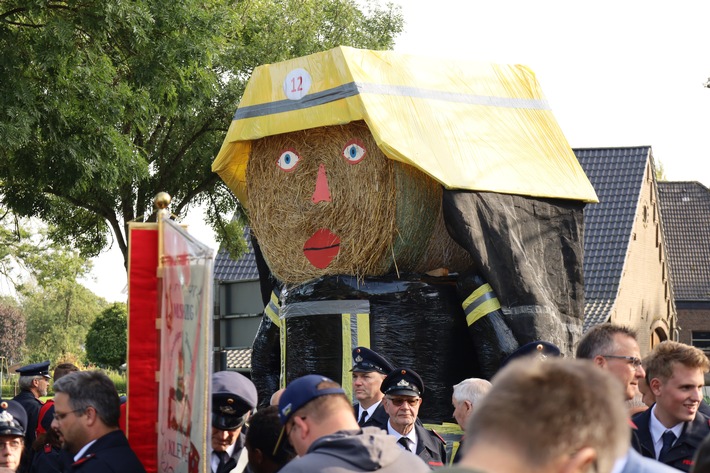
13,422
544,417
34,383
318,420
369,370
672,430
467,394
86,412
614,348
234,399
403,389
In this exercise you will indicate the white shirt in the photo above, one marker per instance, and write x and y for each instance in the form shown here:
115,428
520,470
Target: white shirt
215,458
83,450
657,430
412,436
370,410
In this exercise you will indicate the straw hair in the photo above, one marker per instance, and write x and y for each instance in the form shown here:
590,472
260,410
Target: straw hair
387,214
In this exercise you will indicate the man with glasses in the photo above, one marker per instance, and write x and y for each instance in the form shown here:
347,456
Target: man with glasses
13,422
234,399
318,420
86,413
403,389
614,348
34,383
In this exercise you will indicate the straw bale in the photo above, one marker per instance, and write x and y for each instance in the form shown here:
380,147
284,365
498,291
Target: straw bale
385,213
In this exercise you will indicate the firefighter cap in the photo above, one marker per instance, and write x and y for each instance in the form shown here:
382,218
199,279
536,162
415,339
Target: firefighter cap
13,418
368,361
403,382
233,397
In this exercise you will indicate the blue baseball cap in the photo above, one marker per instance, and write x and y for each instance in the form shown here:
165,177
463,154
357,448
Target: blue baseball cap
300,392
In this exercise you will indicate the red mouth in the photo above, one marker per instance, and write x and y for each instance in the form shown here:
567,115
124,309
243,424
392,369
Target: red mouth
321,248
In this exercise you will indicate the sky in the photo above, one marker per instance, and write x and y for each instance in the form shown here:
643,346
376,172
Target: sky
615,73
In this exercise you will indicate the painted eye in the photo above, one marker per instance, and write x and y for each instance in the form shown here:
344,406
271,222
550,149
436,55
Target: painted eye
288,160
354,151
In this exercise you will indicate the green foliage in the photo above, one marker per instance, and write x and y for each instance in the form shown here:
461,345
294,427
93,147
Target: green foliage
103,104
12,330
119,379
58,309
106,340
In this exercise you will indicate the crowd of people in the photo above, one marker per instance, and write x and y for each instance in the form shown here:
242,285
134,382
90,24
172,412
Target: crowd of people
541,413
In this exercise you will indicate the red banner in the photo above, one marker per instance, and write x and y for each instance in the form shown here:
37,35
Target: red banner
143,343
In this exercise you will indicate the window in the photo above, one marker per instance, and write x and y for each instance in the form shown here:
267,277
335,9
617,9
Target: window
701,340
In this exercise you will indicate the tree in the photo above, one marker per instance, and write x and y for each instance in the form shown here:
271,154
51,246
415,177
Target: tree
12,330
106,103
58,309
106,340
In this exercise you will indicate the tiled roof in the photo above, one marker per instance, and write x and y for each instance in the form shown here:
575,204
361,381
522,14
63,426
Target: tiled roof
239,359
685,209
244,269
617,176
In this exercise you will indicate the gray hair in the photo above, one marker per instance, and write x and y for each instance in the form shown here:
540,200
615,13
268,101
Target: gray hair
91,389
26,382
472,390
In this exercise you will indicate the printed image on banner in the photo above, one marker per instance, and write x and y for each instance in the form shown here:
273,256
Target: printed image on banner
186,344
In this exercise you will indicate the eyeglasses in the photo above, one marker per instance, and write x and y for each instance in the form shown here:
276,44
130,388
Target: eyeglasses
635,362
60,416
398,401
12,444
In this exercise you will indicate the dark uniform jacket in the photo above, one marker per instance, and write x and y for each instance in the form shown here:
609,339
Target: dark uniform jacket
680,456
378,418
430,447
51,460
32,406
110,453
231,465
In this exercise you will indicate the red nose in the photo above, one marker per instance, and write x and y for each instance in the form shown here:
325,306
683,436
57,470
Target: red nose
322,192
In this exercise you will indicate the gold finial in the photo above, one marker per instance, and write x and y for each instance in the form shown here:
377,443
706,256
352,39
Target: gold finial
162,200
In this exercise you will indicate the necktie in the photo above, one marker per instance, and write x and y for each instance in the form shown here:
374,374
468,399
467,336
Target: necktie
404,441
363,416
225,462
668,439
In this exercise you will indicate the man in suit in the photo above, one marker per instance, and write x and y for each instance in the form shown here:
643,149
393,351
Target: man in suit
234,399
369,370
403,389
614,349
86,412
672,430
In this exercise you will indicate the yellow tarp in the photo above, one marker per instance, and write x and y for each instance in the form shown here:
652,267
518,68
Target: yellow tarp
476,126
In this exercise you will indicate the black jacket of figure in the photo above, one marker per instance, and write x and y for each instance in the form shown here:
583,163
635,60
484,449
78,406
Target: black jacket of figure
378,418
430,447
680,456
110,453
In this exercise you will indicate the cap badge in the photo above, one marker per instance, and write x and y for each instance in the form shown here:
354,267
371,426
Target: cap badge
227,410
230,401
6,417
358,359
403,382
3,405
286,410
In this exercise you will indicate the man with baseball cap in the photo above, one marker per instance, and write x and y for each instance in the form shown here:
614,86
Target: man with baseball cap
403,389
13,423
234,399
369,370
318,420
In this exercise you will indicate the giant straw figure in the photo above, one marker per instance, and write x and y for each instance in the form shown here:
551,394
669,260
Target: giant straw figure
428,208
